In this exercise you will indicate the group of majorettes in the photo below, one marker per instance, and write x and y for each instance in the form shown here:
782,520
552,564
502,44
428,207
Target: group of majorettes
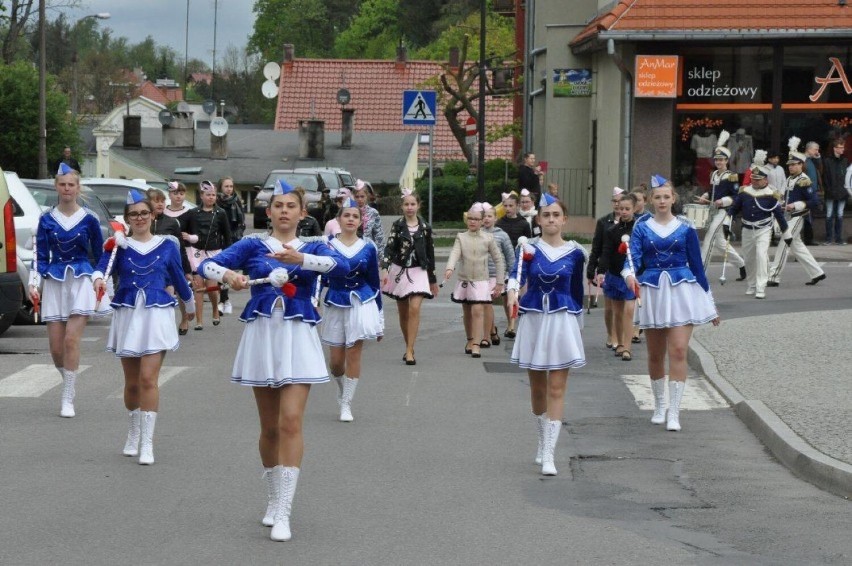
283,272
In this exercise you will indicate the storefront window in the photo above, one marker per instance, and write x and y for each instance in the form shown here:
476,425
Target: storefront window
727,75
817,76
698,135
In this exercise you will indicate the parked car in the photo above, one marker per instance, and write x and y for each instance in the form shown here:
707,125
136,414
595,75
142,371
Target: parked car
335,178
27,212
309,179
113,192
42,195
10,284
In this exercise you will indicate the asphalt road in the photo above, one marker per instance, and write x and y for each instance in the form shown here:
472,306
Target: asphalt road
436,469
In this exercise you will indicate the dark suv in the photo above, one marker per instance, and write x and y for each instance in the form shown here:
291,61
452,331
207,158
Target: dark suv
309,179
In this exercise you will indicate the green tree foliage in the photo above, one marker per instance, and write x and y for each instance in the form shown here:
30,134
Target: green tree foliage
422,21
373,33
499,38
304,23
19,119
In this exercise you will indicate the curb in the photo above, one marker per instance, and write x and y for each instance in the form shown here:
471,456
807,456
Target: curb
791,450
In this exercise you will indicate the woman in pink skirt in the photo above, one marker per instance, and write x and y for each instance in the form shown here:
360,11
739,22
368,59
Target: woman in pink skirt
408,269
473,291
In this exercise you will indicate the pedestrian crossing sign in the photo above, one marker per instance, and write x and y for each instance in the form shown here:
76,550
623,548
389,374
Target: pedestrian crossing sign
418,107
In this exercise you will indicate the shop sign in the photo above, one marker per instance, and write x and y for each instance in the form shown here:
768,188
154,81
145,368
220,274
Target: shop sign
705,82
572,82
835,74
656,76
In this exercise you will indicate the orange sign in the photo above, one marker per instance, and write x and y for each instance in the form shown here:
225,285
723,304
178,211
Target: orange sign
656,76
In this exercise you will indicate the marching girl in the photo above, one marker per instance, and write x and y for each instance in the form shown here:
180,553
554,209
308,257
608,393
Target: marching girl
664,261
528,212
371,222
208,232
143,327
64,239
178,209
473,289
280,354
489,217
613,257
549,341
515,226
354,306
235,211
408,269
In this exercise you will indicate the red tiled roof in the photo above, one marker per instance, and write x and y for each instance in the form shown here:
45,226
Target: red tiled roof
718,15
376,89
163,95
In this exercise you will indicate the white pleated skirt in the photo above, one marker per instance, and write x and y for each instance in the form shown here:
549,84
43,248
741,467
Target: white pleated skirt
139,331
671,305
274,352
74,296
549,341
344,326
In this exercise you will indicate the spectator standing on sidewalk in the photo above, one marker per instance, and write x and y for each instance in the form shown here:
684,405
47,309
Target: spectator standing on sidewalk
530,175
834,177
813,169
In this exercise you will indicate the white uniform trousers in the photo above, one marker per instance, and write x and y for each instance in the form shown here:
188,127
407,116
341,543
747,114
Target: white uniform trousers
798,250
714,240
756,254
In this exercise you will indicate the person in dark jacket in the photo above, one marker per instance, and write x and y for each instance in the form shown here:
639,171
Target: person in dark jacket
229,201
833,175
515,226
530,176
592,268
208,233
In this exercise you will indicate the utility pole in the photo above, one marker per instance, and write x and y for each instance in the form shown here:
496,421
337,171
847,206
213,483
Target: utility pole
42,93
480,155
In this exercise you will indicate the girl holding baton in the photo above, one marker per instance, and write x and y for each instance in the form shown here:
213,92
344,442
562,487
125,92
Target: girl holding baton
666,264
549,342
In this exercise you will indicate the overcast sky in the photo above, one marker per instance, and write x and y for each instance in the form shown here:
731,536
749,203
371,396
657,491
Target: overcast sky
165,21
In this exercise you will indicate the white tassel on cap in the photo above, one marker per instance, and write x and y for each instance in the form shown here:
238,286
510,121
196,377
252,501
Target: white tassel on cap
723,138
760,157
793,143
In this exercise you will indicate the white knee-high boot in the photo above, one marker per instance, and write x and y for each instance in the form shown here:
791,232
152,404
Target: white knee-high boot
658,386
147,423
131,447
540,423
69,379
286,490
675,395
273,481
551,436
338,379
349,386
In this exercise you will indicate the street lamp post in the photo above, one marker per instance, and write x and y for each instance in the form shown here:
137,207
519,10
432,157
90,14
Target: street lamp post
42,93
480,158
98,16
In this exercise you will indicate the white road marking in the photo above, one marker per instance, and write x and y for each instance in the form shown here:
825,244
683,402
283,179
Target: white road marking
698,395
89,339
166,373
410,388
33,381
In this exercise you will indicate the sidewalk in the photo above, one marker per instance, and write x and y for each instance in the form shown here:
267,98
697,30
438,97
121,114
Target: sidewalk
796,400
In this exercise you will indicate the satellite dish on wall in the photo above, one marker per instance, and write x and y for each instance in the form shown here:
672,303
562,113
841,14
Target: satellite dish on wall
218,126
269,89
272,70
208,106
165,117
183,107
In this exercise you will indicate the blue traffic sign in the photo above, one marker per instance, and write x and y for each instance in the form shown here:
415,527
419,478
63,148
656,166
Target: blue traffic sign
418,107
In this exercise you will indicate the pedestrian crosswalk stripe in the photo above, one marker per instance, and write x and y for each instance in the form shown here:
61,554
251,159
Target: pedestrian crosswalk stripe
697,396
166,373
33,381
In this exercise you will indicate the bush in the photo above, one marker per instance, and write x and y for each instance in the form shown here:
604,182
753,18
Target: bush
495,170
456,169
451,197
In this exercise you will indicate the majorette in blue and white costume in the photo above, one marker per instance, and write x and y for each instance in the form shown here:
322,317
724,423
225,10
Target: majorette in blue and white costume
667,264
144,319
280,344
353,300
63,247
551,310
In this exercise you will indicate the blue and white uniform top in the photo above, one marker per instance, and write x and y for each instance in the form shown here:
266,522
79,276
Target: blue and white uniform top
757,208
801,194
362,279
724,186
147,267
672,249
554,277
66,241
251,255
